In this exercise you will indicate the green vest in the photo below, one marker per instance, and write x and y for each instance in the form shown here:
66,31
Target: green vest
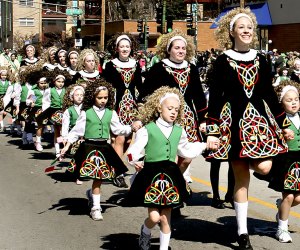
39,97
294,145
73,116
24,93
56,99
4,87
96,128
160,148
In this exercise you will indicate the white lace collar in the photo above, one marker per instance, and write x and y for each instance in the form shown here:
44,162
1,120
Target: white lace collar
89,75
49,66
245,57
295,119
130,64
182,65
62,68
297,72
72,72
164,123
34,60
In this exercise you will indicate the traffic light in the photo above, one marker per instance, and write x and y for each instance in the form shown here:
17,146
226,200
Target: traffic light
78,25
159,14
191,32
140,25
189,20
169,24
141,38
147,30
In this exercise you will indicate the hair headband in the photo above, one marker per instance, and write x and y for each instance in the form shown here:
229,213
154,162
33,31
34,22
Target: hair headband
73,52
167,95
286,89
176,38
121,38
3,71
42,79
30,46
60,76
74,89
61,50
101,88
52,49
236,17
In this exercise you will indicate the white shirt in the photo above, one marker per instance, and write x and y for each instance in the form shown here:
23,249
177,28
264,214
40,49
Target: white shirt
47,98
185,148
295,119
116,126
31,93
66,120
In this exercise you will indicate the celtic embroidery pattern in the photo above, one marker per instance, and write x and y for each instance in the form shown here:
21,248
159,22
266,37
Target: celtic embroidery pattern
57,117
127,108
247,74
95,167
181,76
189,124
72,166
292,180
225,134
127,74
257,138
162,191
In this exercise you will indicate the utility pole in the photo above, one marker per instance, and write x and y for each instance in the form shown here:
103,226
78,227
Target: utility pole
195,13
163,25
102,35
242,3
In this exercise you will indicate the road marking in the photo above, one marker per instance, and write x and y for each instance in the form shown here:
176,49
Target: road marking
250,198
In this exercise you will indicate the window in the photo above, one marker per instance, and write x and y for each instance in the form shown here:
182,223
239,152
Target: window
26,2
26,21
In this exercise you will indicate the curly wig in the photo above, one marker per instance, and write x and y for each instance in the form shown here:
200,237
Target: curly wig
46,55
8,72
37,50
91,91
60,50
112,46
35,75
51,75
149,111
67,101
83,55
29,74
284,83
161,49
222,33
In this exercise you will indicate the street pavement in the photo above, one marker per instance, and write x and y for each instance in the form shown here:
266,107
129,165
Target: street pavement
41,210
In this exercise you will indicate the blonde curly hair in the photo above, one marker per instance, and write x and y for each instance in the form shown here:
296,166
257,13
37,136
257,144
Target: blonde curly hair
222,33
149,111
162,50
82,56
284,83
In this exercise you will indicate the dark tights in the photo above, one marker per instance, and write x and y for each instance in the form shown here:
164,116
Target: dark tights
214,179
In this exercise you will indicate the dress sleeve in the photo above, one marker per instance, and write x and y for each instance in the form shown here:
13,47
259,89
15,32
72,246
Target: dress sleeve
46,99
65,124
188,149
117,127
136,150
79,129
215,97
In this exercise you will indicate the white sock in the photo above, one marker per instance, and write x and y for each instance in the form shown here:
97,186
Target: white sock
146,230
283,224
1,124
57,149
241,210
164,240
96,200
38,139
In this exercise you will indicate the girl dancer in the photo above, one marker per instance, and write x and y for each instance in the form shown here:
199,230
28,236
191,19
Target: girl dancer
95,158
159,184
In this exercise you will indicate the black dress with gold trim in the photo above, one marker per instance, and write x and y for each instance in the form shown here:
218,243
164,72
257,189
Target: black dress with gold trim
285,175
243,108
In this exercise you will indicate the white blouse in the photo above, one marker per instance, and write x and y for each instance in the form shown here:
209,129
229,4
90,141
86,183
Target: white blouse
116,126
66,120
185,149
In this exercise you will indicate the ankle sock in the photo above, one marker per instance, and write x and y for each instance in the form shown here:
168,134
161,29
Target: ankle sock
164,240
241,210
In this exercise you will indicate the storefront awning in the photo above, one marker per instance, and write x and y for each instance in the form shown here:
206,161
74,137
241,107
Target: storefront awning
261,11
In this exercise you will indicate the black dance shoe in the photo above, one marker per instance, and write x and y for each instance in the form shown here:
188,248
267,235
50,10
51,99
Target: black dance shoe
244,242
217,203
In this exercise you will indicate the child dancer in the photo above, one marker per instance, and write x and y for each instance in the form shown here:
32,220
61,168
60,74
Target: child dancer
72,109
285,177
95,158
52,106
34,101
159,185
4,84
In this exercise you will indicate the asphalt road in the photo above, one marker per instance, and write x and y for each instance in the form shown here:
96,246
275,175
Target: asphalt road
49,211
